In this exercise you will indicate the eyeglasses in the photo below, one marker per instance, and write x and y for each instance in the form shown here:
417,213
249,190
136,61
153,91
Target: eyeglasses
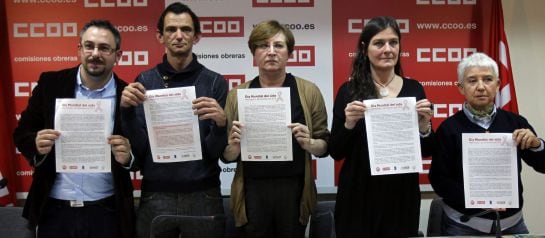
103,49
277,46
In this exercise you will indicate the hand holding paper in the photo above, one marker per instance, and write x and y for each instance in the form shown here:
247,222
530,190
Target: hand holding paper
354,111
133,94
525,139
121,148
45,139
208,108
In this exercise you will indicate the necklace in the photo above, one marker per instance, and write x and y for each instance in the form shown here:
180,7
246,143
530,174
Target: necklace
383,91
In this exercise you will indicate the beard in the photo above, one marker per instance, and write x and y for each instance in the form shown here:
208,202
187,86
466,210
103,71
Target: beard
95,71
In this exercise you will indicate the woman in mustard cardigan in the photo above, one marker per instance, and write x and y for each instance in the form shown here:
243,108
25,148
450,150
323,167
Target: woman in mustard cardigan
275,199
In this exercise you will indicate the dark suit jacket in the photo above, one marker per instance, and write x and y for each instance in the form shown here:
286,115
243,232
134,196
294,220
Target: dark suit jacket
40,114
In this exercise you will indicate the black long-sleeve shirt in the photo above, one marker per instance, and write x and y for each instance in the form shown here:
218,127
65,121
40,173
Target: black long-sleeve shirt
446,174
188,176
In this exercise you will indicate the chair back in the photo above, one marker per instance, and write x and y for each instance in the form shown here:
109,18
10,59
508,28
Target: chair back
435,216
12,224
231,231
322,220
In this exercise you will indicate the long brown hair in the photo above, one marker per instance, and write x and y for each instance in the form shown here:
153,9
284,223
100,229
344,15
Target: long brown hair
361,83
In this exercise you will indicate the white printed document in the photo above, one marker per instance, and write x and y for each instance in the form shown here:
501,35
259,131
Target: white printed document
392,136
84,125
265,114
173,129
490,170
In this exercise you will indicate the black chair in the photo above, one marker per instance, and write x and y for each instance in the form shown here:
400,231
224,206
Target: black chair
435,216
12,224
231,231
322,220
164,222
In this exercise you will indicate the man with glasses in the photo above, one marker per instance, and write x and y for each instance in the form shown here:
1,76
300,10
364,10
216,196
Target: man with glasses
78,204
173,191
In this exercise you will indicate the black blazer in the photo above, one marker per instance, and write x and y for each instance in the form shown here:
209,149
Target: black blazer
40,114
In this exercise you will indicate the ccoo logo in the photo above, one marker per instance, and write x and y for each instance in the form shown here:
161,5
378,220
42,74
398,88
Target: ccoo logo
446,2
24,89
303,55
222,26
134,58
443,54
233,80
355,25
42,29
282,3
115,3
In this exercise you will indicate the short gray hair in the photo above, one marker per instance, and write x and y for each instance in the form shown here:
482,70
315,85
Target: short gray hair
476,60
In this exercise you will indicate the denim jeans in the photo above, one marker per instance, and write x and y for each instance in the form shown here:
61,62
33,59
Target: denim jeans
169,213
452,228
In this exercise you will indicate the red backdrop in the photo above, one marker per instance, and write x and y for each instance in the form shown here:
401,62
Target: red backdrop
43,36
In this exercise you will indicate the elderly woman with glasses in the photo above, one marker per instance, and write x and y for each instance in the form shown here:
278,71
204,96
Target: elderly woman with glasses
275,198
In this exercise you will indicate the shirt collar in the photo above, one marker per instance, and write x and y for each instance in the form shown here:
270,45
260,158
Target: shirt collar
107,91
483,121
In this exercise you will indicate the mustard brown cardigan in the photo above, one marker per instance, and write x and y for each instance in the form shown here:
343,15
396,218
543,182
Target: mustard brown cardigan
316,120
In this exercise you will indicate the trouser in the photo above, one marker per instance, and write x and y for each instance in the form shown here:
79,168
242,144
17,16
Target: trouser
452,228
61,219
272,208
191,215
